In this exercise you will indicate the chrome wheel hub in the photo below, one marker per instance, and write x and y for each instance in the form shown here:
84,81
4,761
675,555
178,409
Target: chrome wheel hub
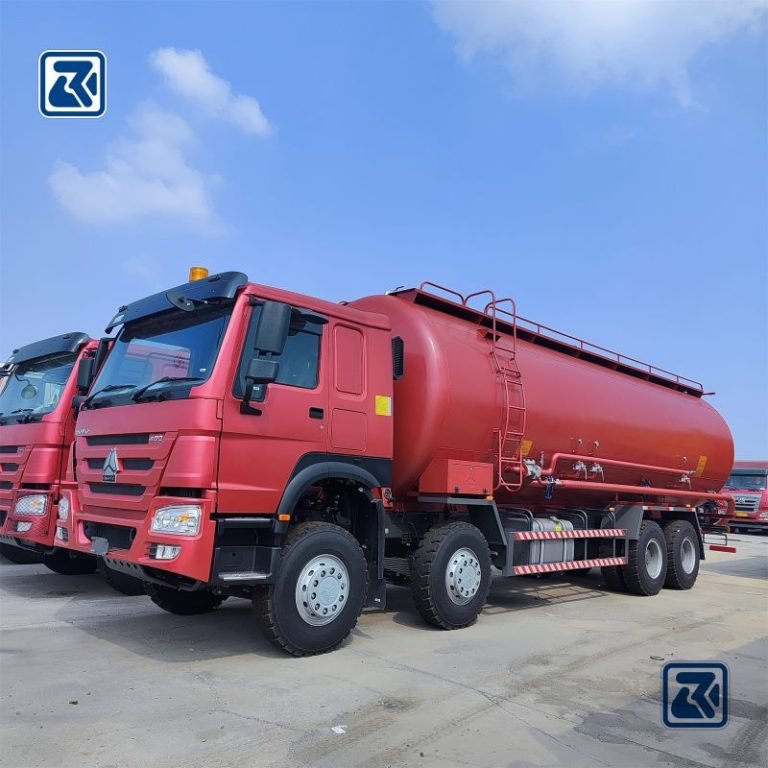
654,559
688,555
463,576
322,590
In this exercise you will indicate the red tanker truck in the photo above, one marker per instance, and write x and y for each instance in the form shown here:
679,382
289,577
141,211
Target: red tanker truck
301,453
37,424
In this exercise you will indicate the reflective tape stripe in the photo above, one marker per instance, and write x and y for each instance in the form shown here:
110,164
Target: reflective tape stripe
589,533
599,562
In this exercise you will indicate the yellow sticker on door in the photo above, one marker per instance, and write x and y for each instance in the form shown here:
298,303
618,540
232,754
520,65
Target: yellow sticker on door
383,405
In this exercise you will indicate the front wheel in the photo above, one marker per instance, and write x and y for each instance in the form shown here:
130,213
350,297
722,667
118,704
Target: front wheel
682,555
183,603
319,593
18,555
451,575
69,563
646,567
123,583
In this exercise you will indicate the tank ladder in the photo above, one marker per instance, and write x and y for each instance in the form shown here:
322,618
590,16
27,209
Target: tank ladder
509,437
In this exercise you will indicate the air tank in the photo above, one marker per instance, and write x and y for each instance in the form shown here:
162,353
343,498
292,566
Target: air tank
609,419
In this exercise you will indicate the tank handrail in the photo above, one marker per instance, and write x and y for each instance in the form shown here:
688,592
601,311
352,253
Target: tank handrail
587,346
426,283
560,337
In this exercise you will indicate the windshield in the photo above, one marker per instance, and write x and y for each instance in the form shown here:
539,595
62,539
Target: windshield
178,345
34,388
748,481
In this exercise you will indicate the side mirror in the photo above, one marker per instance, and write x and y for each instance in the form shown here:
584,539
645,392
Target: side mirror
260,371
84,375
274,323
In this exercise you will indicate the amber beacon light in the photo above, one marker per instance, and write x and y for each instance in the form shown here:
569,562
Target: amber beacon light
197,273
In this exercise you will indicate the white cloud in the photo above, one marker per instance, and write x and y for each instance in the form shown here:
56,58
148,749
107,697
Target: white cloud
188,74
146,174
633,43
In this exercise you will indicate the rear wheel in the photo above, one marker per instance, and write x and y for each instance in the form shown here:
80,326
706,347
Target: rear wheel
451,575
320,591
682,555
69,563
19,555
121,582
646,567
183,603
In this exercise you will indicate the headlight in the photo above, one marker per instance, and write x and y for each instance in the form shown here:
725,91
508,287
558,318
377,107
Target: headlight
763,515
36,504
64,508
22,527
181,519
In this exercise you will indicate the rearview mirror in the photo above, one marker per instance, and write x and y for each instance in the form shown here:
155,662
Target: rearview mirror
262,371
272,331
84,375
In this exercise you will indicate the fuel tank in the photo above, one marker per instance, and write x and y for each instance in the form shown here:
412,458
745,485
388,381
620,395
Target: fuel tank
580,412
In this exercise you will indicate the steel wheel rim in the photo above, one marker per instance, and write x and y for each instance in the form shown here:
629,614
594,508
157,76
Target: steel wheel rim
653,559
463,575
322,590
687,555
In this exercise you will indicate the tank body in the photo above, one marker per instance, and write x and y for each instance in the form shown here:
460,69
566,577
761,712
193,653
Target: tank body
450,404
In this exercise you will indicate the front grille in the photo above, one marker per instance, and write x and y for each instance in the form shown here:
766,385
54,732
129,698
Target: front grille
747,503
124,463
6,485
117,489
137,439
118,536
9,467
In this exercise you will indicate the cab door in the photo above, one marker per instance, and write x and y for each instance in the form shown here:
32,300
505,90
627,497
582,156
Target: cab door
260,451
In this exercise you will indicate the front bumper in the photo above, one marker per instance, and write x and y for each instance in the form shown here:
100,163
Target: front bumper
32,531
126,542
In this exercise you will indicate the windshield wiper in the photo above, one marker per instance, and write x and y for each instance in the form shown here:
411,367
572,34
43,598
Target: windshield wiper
109,388
137,395
27,416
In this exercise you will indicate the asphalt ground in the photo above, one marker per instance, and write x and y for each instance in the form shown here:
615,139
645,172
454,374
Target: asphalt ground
557,672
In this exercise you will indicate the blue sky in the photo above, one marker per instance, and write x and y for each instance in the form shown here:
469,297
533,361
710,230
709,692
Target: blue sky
605,164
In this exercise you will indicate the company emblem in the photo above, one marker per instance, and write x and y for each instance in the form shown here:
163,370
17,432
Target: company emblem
111,467
73,84
80,431
695,695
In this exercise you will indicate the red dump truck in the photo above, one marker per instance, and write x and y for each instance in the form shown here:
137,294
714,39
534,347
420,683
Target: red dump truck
301,453
37,423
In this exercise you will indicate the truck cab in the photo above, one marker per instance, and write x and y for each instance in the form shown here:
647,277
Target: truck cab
748,484
38,384
224,411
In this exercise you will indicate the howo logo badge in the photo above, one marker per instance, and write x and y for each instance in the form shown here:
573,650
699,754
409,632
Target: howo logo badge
111,467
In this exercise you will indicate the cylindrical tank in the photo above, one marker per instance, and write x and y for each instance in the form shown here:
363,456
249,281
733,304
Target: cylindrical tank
450,405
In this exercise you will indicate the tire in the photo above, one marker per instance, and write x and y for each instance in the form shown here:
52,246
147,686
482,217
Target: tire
183,603
19,555
123,583
612,574
683,555
69,563
446,596
646,567
297,625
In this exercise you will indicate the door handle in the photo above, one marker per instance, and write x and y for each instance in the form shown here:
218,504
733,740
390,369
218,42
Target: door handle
316,413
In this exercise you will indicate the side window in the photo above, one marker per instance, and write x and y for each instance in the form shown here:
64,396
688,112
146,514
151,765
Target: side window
299,363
